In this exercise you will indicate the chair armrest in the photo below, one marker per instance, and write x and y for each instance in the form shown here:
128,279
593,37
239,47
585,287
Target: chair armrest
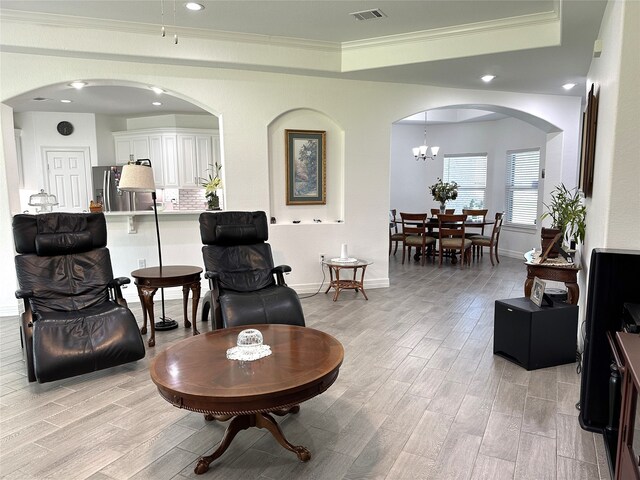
24,294
211,275
116,292
279,272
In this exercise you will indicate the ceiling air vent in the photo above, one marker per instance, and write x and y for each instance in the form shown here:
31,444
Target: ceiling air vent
368,14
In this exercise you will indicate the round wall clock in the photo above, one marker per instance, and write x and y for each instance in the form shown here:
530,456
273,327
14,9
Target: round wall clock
65,128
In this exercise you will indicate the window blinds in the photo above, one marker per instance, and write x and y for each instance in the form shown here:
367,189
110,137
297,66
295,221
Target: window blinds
522,187
470,173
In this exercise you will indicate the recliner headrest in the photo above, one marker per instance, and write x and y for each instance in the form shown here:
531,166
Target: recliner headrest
233,228
52,234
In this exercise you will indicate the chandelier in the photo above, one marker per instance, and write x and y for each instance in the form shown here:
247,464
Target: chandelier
421,152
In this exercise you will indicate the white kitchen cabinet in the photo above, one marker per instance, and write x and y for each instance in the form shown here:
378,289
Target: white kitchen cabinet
127,145
180,157
170,161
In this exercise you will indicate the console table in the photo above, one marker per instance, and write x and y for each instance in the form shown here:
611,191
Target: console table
149,280
555,270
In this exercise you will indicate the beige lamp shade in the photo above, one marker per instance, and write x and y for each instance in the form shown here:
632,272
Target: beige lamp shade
137,178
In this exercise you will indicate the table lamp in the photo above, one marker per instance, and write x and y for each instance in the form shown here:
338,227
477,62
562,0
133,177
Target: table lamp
137,177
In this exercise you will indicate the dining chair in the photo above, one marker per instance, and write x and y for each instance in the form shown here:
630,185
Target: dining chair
492,241
414,232
394,234
476,214
451,237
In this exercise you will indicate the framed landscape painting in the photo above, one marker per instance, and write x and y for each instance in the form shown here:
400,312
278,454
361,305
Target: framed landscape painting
306,167
588,153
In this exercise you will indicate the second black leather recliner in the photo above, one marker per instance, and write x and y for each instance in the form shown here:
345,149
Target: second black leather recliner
245,286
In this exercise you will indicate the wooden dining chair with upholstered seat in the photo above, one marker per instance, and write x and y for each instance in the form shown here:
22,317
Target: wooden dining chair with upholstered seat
394,234
477,214
451,237
414,232
492,241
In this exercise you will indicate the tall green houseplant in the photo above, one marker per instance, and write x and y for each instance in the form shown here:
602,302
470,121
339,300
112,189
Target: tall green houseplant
567,212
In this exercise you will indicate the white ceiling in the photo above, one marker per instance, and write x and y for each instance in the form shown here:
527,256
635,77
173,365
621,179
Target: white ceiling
519,68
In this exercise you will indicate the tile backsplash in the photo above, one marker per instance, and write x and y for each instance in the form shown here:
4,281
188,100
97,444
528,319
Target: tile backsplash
192,199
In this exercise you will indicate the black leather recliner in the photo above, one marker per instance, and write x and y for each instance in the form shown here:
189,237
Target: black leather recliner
239,266
75,318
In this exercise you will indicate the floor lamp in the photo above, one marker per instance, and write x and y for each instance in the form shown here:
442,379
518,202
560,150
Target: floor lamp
137,177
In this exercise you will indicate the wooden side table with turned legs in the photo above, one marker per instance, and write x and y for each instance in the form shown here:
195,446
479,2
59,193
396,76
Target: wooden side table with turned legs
149,280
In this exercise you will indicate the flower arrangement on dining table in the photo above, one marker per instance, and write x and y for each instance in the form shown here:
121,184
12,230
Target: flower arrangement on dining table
443,191
211,186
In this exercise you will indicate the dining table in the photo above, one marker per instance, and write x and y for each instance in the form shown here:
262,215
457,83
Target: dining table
432,225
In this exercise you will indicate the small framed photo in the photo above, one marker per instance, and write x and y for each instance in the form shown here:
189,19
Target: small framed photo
537,291
306,167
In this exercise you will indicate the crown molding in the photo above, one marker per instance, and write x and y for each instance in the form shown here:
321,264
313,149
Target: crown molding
50,19
444,33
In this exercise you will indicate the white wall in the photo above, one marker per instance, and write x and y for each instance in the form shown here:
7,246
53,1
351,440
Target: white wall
612,211
106,148
247,103
410,178
39,132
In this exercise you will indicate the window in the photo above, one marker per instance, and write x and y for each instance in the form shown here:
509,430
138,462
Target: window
470,173
522,187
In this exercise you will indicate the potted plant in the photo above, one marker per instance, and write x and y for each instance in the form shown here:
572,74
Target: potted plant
443,191
567,213
211,186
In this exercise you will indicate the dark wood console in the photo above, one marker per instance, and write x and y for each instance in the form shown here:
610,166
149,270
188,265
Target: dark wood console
628,453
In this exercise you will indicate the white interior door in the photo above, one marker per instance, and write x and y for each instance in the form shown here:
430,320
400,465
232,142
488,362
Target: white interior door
67,173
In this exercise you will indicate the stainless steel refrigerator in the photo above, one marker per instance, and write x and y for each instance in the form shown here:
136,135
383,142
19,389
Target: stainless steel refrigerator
106,191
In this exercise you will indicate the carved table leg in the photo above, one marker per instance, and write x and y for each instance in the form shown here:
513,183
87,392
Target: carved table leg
361,281
573,293
337,286
143,330
147,305
209,417
330,279
185,301
241,422
264,420
286,411
195,299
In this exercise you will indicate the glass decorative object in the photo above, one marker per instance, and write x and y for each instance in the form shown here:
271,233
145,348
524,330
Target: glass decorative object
43,202
249,346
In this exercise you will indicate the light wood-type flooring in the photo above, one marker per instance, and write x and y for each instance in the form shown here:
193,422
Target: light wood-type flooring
420,396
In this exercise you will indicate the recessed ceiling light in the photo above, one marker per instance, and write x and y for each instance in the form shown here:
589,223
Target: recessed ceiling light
65,101
568,86
157,104
196,7
157,90
487,78
77,85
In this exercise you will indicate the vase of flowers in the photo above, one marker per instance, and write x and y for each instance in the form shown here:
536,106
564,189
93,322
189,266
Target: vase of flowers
444,191
211,186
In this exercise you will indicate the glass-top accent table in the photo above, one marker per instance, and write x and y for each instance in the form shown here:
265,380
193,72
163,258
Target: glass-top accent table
339,284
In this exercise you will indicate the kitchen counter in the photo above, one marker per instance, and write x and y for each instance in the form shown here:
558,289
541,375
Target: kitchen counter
150,212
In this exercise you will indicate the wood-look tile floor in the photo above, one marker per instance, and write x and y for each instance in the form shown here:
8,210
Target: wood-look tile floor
420,396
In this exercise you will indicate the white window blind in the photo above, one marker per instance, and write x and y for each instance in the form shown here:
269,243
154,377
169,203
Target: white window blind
470,173
522,187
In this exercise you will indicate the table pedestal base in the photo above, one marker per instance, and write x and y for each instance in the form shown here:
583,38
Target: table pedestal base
242,422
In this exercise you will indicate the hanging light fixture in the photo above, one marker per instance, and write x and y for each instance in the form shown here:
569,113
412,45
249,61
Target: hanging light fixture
421,152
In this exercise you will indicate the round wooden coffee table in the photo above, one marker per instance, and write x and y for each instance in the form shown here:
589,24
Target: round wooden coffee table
196,375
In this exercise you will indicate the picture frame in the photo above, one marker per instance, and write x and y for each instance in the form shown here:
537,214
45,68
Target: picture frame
537,291
305,152
588,144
